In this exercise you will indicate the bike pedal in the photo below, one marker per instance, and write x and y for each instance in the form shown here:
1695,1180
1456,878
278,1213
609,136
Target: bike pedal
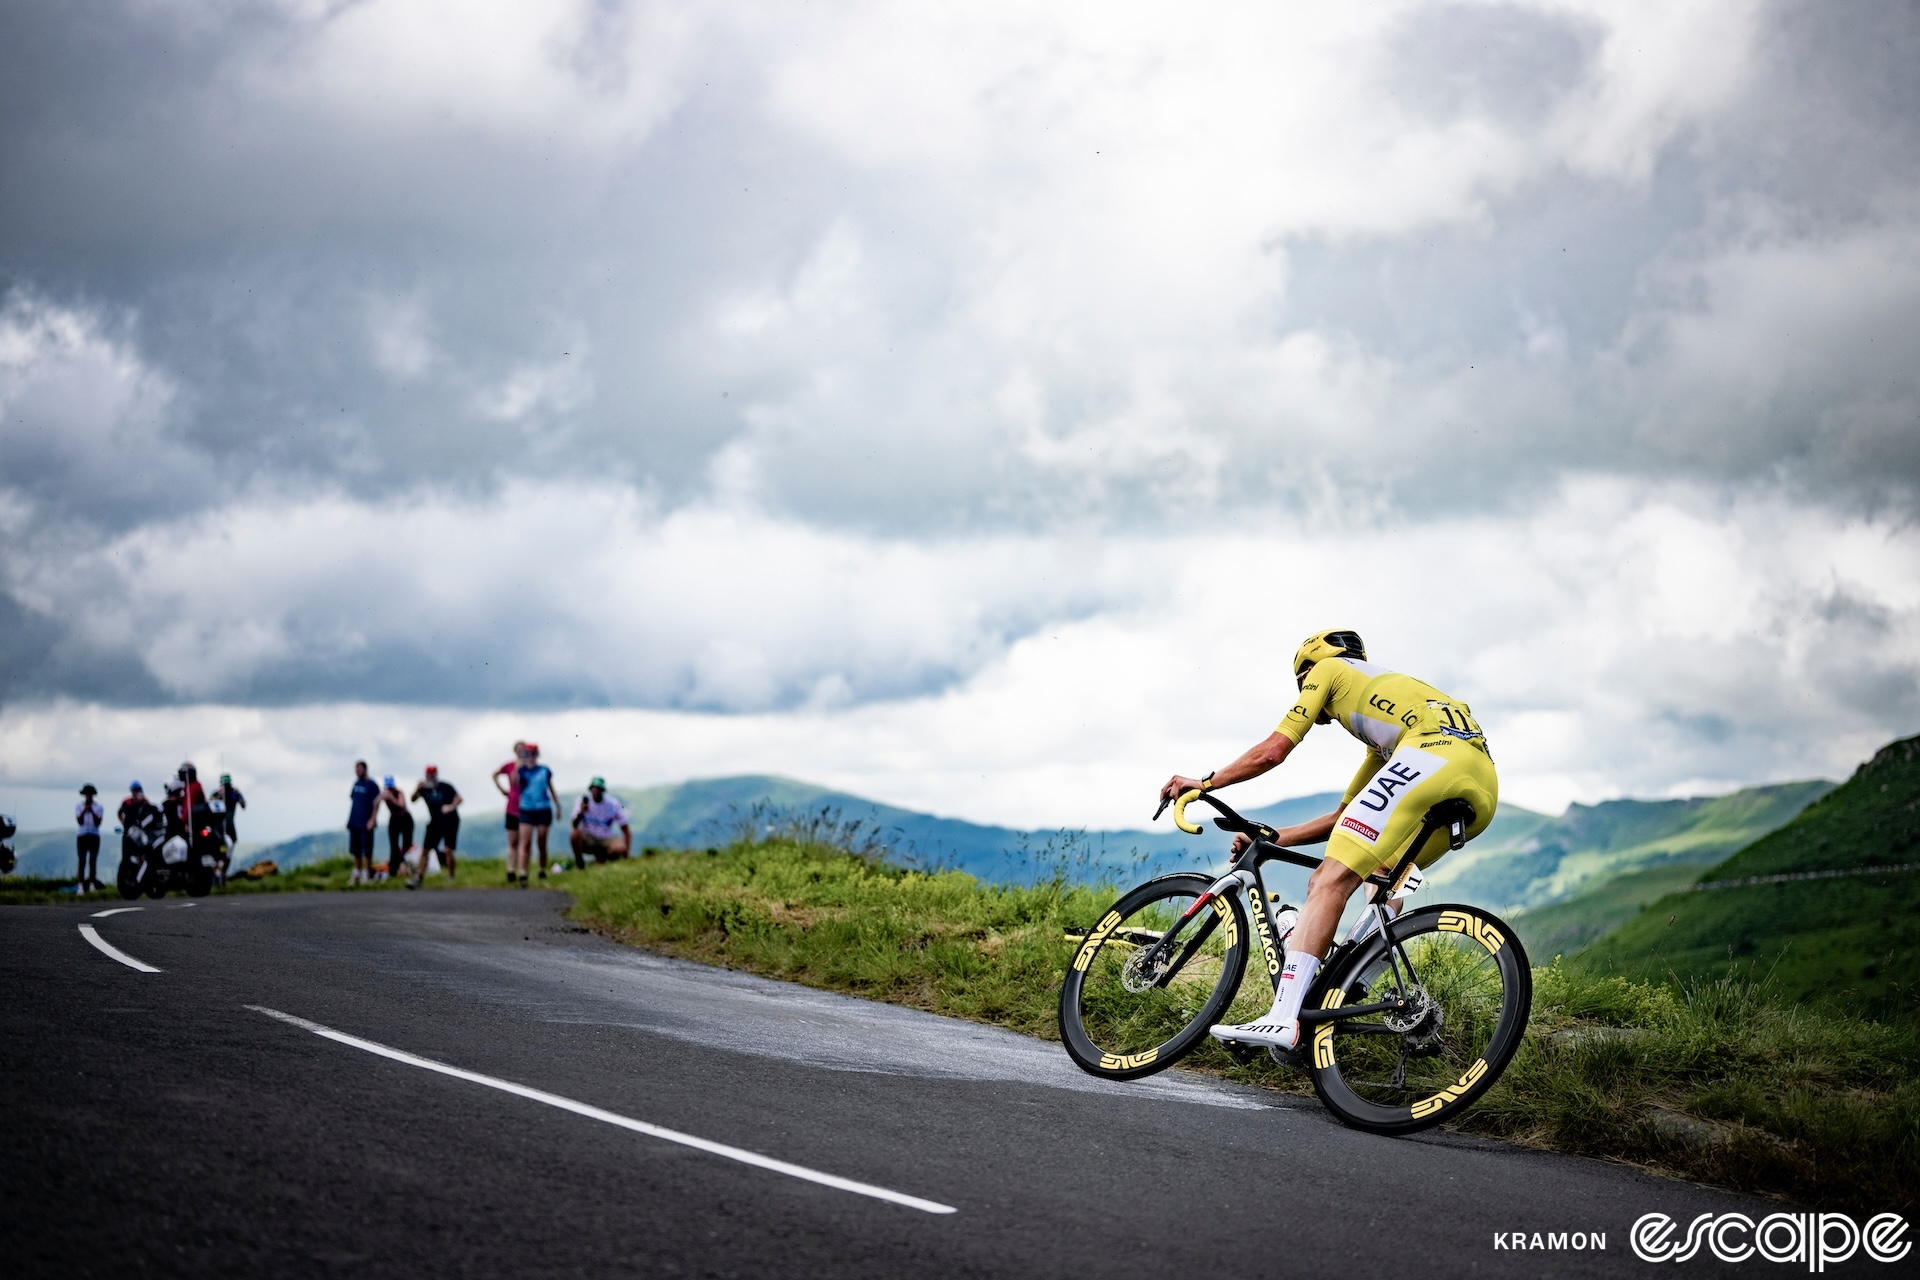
1286,1057
1240,1053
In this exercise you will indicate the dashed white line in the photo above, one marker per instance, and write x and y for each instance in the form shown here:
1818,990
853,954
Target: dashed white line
114,911
753,1158
112,952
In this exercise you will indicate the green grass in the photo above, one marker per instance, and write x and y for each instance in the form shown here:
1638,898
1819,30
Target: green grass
813,914
35,890
1848,945
1530,861
1841,944
1563,928
329,873
333,873
1811,1105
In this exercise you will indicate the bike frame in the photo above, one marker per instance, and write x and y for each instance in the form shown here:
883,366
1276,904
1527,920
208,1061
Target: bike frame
1244,877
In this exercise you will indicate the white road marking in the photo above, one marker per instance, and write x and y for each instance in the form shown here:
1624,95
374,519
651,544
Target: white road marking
114,911
112,952
595,1113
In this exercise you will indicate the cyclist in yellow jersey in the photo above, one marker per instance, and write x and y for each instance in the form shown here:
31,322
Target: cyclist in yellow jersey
1422,747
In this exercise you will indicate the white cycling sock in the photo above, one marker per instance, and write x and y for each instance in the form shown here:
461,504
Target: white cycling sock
1296,975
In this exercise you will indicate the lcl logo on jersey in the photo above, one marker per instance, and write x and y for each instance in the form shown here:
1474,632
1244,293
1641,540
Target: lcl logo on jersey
1814,1239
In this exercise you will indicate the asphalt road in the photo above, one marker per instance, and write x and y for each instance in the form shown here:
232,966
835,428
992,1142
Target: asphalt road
162,1123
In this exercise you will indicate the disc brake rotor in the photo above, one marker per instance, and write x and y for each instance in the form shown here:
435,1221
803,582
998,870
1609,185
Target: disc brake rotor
1143,970
1421,1021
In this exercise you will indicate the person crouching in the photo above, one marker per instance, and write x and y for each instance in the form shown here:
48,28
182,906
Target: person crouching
594,821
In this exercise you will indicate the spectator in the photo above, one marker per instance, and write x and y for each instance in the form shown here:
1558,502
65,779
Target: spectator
443,822
511,790
361,819
594,819
227,798
88,815
399,827
231,798
538,803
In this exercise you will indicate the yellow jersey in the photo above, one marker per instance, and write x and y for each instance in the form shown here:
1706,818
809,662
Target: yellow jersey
1441,754
1380,707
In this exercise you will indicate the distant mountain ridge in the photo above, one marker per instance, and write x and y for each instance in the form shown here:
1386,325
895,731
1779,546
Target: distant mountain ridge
1528,860
1854,942
708,811
1524,861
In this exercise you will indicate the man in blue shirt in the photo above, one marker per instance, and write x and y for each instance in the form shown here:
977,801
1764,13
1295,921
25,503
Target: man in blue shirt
360,822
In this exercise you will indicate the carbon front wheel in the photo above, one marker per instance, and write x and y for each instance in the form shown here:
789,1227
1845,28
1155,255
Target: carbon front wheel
1465,989
1149,979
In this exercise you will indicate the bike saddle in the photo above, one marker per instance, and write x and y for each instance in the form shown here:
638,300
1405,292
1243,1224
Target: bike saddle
1456,815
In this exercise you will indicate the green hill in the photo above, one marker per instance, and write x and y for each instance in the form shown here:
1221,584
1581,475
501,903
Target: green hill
1528,860
1851,941
712,811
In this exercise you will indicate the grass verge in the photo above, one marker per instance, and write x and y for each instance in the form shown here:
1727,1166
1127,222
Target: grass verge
1713,1082
328,873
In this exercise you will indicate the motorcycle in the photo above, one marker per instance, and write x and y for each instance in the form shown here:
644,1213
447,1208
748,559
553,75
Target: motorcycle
157,855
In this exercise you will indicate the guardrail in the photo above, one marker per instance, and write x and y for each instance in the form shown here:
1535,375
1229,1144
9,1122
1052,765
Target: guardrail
1785,876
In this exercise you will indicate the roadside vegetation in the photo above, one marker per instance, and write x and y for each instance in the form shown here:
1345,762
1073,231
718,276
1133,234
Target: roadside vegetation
1850,943
16,891
333,873
1714,1081
328,873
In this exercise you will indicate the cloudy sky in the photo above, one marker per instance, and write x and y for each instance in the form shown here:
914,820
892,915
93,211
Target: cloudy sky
970,406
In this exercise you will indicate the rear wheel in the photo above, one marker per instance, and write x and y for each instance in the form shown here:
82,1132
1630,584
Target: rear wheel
1149,979
200,881
1465,979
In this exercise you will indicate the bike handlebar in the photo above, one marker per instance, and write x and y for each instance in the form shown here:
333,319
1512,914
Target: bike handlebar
1227,821
1266,845
1180,812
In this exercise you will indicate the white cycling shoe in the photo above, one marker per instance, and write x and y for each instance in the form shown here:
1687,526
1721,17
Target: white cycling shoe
1273,1032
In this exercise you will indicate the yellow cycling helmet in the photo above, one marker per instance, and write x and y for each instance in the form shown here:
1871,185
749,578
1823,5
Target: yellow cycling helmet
1326,644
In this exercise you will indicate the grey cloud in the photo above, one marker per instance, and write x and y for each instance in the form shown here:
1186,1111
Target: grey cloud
40,656
1516,64
248,237
568,304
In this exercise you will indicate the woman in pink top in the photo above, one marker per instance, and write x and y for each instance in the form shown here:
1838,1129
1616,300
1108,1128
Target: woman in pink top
516,854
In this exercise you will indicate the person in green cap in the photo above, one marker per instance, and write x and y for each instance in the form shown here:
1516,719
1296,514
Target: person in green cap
595,819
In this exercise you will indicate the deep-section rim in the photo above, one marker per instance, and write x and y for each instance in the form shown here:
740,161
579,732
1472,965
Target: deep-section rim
1089,1056
1516,975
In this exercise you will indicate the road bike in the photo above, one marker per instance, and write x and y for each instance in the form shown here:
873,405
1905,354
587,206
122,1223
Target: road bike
1406,1024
